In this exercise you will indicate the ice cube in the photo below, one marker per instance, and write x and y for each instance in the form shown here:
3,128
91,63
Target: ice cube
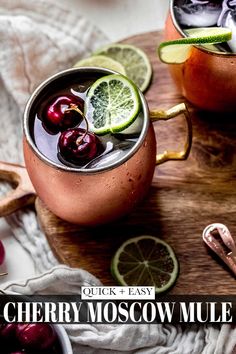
106,160
112,154
109,139
228,19
135,127
197,13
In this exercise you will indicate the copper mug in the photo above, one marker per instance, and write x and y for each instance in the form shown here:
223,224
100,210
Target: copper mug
99,195
207,78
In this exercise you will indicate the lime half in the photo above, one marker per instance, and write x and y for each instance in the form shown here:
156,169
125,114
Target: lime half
112,104
145,261
135,61
178,51
102,61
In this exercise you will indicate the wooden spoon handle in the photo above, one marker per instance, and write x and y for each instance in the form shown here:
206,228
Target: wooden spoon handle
24,193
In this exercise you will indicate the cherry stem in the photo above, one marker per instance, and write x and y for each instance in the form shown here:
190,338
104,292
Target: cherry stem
75,108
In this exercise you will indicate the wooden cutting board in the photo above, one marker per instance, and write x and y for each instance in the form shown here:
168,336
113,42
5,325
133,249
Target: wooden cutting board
184,197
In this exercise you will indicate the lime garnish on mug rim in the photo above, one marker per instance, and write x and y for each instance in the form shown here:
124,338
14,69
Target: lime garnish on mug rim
103,62
112,104
145,261
178,51
135,61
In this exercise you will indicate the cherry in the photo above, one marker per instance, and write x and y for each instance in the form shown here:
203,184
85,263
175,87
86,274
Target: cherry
58,114
8,337
8,331
79,146
2,253
39,336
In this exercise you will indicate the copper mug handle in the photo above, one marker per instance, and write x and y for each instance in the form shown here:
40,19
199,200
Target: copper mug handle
156,115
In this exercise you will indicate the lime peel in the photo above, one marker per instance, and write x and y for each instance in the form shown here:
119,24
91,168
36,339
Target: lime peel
178,51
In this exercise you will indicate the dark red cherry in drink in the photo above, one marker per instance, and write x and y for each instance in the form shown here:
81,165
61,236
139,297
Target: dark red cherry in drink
78,147
39,336
59,115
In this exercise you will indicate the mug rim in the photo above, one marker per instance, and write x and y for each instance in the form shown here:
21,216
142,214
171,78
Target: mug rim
42,157
178,28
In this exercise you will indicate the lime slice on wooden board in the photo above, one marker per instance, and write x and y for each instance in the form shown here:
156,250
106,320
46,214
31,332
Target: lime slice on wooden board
135,61
112,104
178,51
145,261
102,61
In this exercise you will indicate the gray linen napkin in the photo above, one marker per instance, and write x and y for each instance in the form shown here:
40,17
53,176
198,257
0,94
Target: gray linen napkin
129,339
37,39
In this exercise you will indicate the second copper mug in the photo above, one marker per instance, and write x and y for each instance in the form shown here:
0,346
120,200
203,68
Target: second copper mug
97,195
207,78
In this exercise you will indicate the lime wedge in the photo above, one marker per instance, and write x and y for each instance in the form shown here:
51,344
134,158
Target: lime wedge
112,104
178,51
145,261
212,34
194,31
102,61
135,61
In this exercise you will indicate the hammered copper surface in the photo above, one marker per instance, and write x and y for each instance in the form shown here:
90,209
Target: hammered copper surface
89,199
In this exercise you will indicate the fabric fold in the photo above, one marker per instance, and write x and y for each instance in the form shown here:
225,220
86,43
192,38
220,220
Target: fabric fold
128,339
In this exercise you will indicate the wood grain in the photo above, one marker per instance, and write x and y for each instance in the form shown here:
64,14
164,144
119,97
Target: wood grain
184,197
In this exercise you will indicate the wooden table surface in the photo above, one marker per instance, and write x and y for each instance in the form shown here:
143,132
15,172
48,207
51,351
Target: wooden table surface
184,197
